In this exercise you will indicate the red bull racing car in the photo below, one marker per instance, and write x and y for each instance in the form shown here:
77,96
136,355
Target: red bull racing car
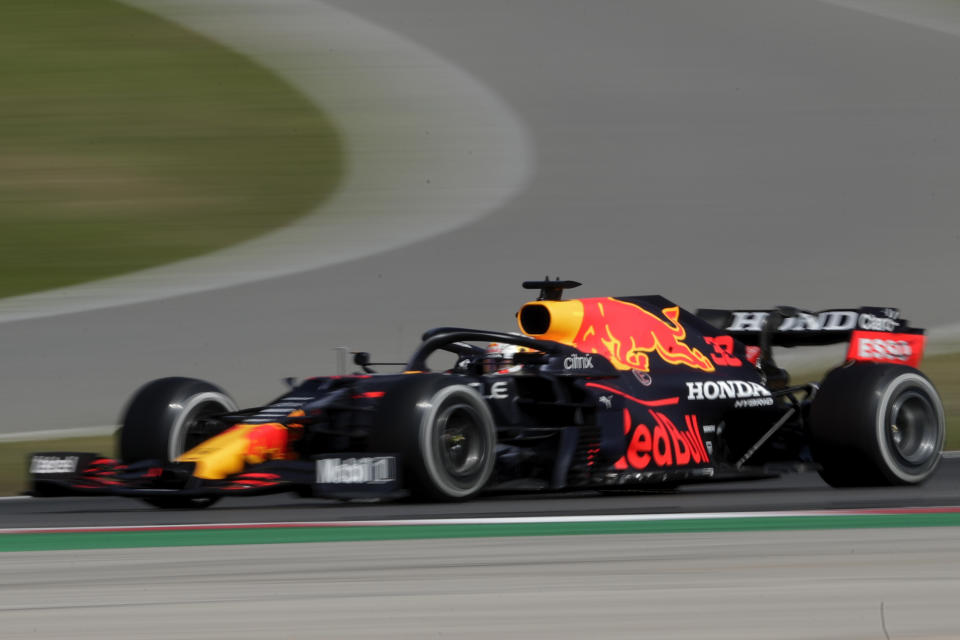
601,393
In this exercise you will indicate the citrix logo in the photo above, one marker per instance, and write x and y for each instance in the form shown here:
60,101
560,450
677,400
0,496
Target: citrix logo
578,362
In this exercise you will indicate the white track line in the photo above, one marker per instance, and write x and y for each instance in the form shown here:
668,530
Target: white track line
429,148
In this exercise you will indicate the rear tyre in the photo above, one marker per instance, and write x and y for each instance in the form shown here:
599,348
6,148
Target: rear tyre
164,420
876,424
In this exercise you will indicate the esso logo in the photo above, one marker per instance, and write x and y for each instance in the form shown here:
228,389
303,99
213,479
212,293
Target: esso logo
897,348
882,349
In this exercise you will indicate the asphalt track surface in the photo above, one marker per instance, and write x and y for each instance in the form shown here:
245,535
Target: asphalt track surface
720,153
831,583
744,585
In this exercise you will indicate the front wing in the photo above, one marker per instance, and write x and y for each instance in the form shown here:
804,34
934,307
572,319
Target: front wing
339,476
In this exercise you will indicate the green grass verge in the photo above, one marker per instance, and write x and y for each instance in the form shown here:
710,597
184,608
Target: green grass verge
13,455
944,372
127,142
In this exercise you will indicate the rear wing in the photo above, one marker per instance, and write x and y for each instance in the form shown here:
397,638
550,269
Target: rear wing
875,334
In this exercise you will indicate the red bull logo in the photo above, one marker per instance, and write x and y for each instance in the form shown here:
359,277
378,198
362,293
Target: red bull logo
266,442
627,334
663,445
227,453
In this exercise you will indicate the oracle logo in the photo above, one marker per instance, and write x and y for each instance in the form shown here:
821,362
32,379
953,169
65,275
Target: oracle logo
874,323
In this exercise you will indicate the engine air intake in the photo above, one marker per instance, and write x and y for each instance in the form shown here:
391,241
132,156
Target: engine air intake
557,320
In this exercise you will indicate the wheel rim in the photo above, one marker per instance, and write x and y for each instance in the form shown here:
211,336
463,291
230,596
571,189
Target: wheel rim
197,431
191,429
912,429
461,444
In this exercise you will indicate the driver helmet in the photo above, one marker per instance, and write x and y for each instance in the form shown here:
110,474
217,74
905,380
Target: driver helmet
499,358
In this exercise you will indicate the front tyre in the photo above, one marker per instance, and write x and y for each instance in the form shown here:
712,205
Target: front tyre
457,444
166,418
877,424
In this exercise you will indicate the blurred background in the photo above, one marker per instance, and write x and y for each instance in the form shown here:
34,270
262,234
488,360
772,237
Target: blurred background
231,190
128,142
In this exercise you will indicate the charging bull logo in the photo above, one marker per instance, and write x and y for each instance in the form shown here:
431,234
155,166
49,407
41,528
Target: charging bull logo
266,442
626,334
227,453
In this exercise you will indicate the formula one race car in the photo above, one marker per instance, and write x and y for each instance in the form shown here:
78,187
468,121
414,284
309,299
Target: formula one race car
596,393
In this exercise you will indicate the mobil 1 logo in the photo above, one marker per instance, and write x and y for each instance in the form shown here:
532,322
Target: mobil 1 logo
355,474
58,464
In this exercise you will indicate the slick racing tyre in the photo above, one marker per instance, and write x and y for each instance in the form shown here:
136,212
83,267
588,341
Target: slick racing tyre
163,420
444,433
457,444
876,424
